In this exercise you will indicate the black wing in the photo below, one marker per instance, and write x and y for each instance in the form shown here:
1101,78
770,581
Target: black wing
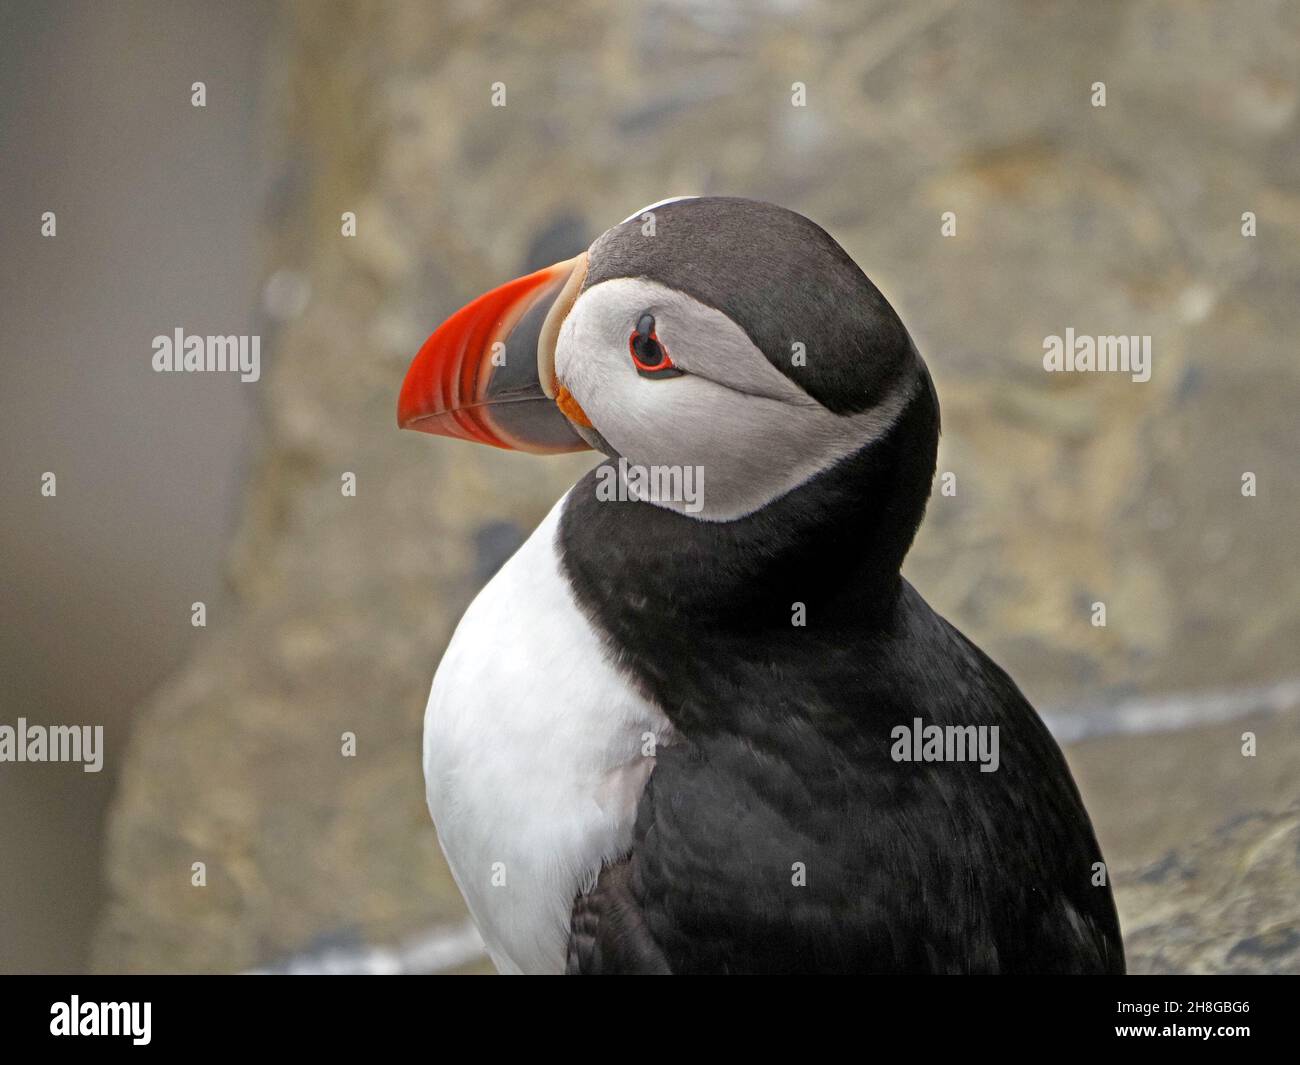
781,852
608,933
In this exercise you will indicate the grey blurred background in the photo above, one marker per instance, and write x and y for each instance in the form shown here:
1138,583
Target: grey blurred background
328,613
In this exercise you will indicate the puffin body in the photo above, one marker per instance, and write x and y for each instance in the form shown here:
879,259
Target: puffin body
663,737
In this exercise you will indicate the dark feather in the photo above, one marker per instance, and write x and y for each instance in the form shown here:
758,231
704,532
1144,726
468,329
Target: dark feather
783,750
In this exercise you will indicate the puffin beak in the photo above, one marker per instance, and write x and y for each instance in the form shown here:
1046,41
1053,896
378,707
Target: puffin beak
488,373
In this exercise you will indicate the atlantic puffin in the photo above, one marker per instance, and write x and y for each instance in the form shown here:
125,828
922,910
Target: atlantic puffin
663,738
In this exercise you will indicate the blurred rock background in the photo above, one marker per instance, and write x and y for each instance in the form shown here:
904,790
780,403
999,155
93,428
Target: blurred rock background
1071,489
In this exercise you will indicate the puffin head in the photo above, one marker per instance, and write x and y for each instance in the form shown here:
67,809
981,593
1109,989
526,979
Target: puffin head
727,335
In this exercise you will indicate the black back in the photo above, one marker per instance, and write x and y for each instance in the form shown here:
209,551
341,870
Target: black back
783,748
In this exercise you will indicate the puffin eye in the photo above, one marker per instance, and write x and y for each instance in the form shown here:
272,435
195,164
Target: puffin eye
649,356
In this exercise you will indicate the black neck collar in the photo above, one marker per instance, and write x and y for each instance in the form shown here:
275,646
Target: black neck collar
834,544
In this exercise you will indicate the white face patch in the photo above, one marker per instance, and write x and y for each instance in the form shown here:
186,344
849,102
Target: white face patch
750,432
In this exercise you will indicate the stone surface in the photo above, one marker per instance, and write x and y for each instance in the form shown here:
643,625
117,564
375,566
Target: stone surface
1228,904
1071,489
1203,843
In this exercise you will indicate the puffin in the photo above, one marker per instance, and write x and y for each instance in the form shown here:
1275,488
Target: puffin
665,736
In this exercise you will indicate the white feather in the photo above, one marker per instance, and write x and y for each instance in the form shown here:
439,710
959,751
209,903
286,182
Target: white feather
533,759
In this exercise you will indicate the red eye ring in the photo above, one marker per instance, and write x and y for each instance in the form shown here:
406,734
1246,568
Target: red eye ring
651,361
664,363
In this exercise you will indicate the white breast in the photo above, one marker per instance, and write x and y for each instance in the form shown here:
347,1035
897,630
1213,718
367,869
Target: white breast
535,754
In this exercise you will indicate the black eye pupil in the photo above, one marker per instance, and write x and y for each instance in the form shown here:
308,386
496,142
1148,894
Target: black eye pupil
648,350
651,359
645,345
